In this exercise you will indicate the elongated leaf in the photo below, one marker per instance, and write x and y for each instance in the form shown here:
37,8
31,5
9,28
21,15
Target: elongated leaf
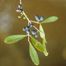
33,54
50,19
37,44
45,50
42,33
13,38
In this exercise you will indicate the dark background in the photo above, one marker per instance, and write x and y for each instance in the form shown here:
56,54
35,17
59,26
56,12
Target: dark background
18,54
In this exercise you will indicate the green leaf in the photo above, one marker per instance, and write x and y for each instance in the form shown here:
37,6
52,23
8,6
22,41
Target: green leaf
13,38
42,33
33,54
50,19
37,44
45,50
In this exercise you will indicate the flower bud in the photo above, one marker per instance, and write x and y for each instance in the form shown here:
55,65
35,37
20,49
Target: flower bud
33,32
30,25
39,18
19,8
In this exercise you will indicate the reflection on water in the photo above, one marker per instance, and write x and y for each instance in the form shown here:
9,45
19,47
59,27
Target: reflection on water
18,54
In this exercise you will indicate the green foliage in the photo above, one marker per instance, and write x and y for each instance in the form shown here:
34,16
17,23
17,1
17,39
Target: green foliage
31,30
45,50
37,44
50,19
13,38
33,54
42,33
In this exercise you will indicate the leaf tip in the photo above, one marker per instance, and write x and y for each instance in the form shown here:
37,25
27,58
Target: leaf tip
45,53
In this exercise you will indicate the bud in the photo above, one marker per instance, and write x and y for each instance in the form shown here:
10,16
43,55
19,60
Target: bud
33,32
19,8
30,25
26,29
39,18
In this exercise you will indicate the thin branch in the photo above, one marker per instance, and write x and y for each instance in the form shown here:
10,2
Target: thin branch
35,22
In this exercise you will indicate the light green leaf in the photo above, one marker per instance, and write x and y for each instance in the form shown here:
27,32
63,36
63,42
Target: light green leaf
42,33
45,50
13,38
33,54
50,19
37,44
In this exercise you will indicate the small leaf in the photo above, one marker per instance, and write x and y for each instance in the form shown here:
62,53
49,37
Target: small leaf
37,44
42,33
45,50
33,54
50,19
13,38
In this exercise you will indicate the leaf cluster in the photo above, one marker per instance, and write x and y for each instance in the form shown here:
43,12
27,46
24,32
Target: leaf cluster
34,44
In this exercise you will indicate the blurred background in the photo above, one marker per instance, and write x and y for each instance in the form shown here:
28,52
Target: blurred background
18,54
